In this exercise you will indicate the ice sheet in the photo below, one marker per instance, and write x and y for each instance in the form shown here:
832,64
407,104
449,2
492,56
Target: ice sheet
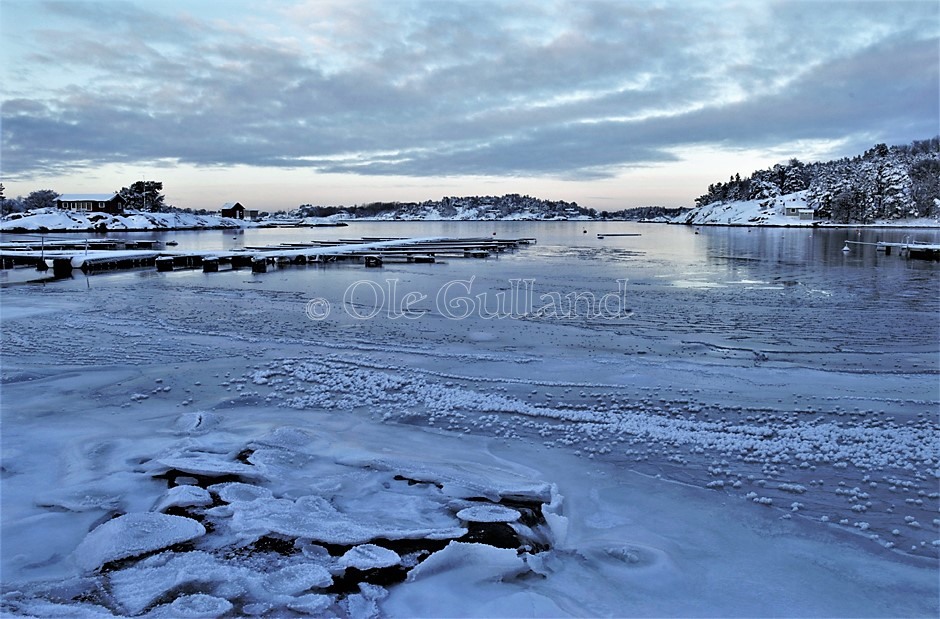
727,471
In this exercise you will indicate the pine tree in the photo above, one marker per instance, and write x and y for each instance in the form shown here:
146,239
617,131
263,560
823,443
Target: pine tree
144,196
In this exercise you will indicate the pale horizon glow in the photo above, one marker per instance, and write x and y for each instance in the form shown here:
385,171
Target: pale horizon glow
610,104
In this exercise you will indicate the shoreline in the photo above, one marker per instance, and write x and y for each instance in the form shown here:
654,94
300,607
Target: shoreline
817,225
826,226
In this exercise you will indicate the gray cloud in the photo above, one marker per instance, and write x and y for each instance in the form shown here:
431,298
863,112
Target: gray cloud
575,90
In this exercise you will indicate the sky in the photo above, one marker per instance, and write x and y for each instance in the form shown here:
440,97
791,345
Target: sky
610,104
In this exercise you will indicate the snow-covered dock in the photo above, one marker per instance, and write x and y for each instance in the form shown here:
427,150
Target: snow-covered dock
372,251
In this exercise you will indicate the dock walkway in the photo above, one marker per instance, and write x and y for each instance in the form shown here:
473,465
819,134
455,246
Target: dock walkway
104,255
912,250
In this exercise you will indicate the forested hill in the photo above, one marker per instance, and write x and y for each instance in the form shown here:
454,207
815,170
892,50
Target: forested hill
510,206
886,182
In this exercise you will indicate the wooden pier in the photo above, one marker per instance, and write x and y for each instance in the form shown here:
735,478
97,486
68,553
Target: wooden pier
101,255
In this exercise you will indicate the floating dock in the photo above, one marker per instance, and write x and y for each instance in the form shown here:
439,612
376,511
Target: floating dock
910,250
91,257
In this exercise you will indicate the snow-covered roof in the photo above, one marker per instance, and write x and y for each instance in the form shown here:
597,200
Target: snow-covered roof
228,205
94,197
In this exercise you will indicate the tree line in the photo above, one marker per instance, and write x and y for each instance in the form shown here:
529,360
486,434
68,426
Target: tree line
495,206
886,182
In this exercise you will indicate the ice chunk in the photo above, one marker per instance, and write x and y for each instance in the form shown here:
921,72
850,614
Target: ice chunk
434,587
296,579
199,606
311,604
473,562
315,518
132,535
557,523
208,465
184,496
234,492
137,587
369,556
489,513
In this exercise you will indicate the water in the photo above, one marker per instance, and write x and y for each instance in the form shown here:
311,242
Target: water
722,297
668,247
726,293
788,292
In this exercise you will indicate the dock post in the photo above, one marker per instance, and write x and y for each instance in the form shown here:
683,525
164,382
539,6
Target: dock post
165,263
241,260
210,265
61,267
259,265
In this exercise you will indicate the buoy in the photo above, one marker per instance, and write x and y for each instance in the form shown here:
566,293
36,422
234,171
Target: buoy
845,249
585,232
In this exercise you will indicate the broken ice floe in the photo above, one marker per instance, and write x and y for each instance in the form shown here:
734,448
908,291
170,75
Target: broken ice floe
281,523
132,535
369,556
489,513
183,496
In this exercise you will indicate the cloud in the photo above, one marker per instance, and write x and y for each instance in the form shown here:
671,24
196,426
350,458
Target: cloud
565,90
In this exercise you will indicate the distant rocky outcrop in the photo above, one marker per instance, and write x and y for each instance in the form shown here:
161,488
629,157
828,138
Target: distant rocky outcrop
507,207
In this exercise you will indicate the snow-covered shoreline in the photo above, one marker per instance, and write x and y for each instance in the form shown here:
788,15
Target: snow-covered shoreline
57,220
772,212
752,213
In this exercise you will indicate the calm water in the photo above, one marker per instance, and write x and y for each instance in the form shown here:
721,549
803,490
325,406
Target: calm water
710,254
779,290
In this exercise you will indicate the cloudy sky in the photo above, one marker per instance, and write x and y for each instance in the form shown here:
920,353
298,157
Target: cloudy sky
611,104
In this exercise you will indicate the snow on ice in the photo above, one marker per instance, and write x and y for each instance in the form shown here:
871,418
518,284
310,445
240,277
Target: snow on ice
131,535
376,468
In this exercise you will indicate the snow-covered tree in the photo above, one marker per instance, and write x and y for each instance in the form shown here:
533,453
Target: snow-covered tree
144,196
43,198
925,187
795,177
886,182
894,182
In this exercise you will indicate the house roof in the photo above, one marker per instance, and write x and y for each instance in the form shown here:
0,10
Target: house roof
94,197
229,205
